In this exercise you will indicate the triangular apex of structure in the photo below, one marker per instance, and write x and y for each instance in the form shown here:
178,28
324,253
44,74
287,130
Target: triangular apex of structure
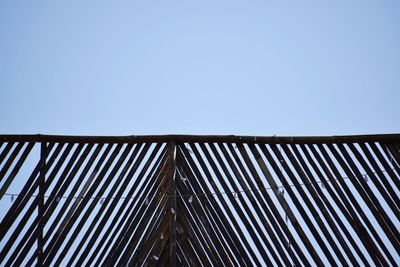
203,229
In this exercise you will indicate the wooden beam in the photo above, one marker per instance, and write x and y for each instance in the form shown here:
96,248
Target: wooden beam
172,204
42,190
202,139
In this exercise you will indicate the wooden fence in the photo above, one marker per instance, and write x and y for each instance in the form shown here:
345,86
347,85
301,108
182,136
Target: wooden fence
199,200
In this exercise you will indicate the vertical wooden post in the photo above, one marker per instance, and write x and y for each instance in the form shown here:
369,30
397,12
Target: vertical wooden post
40,241
172,204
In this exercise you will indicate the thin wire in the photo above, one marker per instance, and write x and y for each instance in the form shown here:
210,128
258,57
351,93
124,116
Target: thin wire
201,194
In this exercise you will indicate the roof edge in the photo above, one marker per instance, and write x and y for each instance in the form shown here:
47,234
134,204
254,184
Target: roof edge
201,139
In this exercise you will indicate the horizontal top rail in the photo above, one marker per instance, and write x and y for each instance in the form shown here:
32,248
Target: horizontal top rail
201,139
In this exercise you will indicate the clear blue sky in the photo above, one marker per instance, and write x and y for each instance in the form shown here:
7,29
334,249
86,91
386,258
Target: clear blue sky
200,67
